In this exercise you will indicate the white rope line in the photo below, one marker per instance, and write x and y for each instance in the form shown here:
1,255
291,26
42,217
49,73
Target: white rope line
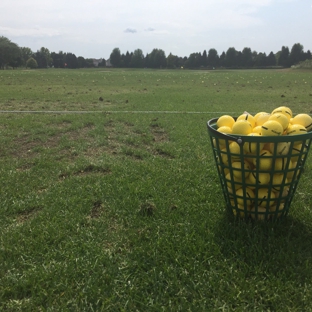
107,112
119,112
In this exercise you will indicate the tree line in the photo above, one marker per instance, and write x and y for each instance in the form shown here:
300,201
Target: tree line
11,55
211,59
14,56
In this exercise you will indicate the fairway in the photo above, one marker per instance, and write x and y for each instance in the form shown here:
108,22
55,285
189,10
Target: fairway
110,198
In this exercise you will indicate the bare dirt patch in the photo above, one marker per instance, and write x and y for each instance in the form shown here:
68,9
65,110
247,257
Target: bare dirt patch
25,146
28,214
97,210
159,133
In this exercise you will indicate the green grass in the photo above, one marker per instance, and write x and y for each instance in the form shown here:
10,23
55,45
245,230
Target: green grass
122,210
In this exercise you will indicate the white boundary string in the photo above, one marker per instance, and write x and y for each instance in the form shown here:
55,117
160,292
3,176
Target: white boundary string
107,112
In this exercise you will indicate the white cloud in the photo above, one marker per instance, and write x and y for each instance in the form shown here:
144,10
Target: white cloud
35,31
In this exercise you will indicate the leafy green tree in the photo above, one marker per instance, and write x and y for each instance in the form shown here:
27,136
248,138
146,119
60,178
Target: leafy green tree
157,59
204,59
307,55
283,59
82,62
195,60
101,64
296,54
10,53
71,60
213,58
271,60
31,63
247,57
191,61
89,62
137,59
222,59
239,59
181,61
198,60
43,58
261,60
115,57
230,57
58,59
126,59
26,53
172,61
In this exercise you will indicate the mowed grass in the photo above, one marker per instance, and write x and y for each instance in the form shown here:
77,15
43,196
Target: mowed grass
115,204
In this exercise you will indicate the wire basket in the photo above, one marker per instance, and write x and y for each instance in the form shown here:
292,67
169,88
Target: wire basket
259,174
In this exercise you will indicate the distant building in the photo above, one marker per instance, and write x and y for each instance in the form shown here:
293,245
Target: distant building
96,62
108,63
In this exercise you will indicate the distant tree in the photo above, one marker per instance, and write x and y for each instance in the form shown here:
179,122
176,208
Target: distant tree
195,60
247,57
146,60
43,58
71,60
204,59
283,59
230,57
58,59
296,54
31,63
254,56
260,60
17,61
181,61
213,58
89,63
271,60
191,61
307,55
115,57
26,53
239,59
82,62
122,62
10,53
198,59
157,59
172,61
137,59
101,64
126,59
222,59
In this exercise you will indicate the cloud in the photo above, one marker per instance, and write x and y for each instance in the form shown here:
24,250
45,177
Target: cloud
35,31
149,29
130,30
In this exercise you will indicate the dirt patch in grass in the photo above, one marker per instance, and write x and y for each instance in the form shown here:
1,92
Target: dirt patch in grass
97,210
28,214
25,167
93,169
120,138
159,133
124,139
90,169
26,146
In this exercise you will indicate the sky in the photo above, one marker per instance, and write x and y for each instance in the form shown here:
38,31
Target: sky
93,28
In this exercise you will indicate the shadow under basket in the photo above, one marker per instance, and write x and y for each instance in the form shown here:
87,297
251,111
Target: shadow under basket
259,174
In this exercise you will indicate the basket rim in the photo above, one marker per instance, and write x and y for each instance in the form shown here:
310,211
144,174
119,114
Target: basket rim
211,125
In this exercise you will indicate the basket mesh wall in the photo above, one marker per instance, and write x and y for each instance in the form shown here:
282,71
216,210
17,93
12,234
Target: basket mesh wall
259,176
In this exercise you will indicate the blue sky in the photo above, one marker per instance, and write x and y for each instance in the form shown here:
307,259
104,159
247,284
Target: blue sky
93,28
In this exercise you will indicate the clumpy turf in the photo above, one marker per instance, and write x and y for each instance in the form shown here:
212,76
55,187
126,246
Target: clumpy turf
121,209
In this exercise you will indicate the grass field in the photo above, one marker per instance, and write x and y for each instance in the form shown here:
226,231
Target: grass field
110,199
